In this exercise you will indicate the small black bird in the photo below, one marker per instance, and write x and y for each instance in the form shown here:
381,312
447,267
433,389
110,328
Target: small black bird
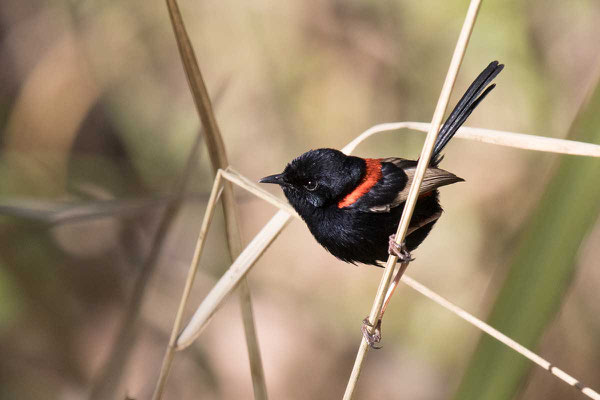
352,205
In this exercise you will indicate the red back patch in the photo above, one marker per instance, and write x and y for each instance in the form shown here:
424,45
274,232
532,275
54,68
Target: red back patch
371,177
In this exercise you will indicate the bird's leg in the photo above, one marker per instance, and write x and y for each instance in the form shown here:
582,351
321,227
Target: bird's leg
393,287
373,333
400,250
424,222
405,258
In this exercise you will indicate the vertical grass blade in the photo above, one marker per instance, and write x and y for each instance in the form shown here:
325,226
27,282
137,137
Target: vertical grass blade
215,194
218,156
543,266
426,153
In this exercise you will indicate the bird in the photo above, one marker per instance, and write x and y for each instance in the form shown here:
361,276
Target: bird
352,205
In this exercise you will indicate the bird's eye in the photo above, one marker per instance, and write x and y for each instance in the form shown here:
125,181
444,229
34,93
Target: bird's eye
311,185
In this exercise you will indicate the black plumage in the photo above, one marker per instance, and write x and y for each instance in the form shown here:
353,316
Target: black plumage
352,205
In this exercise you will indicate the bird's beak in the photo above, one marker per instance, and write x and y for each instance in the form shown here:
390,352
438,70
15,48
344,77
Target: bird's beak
277,179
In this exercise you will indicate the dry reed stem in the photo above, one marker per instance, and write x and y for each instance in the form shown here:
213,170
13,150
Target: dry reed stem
216,191
243,263
170,352
231,278
58,212
218,157
491,136
411,201
499,336
245,183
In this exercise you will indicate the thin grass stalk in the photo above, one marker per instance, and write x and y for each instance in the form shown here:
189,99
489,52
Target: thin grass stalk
499,336
232,278
411,201
53,213
502,138
170,352
242,264
235,177
218,156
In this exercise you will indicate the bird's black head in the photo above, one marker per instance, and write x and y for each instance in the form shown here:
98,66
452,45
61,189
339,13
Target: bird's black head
318,178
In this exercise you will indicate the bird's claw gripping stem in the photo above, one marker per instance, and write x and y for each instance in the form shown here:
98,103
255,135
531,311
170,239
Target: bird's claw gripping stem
399,250
374,336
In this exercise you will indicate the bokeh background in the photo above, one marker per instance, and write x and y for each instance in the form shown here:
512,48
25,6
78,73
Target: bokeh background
96,123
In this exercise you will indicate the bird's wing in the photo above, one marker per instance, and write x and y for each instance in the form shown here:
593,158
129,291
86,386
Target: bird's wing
397,177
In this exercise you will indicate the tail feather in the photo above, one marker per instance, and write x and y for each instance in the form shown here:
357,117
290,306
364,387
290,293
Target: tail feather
470,100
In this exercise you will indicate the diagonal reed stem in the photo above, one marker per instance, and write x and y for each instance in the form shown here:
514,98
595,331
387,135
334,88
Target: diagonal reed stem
231,279
215,194
241,265
411,201
502,138
499,336
218,156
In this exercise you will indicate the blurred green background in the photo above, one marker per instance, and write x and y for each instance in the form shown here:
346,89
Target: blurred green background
96,123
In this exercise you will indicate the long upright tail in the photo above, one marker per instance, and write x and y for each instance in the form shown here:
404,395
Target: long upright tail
471,99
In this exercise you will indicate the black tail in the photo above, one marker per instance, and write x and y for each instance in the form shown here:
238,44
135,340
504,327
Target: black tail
464,108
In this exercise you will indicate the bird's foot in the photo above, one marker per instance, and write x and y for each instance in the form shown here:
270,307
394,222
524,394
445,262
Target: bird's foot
399,250
371,334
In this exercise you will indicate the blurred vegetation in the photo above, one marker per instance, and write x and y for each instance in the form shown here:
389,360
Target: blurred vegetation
543,265
96,116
